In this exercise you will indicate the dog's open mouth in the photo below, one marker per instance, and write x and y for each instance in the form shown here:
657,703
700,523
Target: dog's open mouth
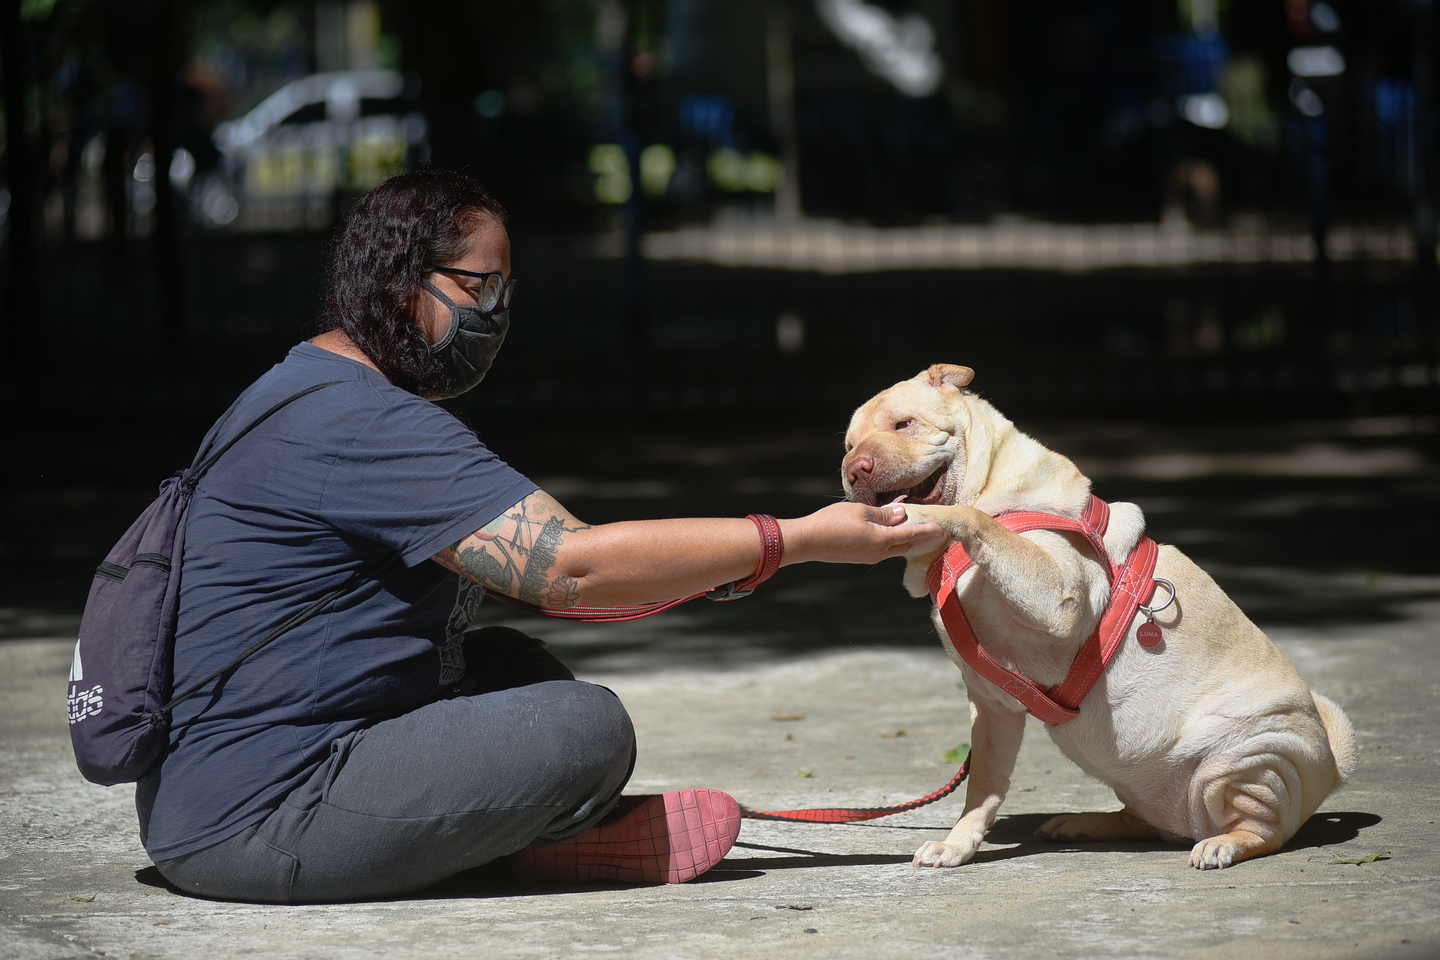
926,491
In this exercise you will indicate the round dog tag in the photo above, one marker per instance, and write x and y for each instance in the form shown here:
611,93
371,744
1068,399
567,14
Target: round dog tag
1149,634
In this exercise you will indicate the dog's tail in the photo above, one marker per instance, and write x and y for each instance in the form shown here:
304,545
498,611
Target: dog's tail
1340,734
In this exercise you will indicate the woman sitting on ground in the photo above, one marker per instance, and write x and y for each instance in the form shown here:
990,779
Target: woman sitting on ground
380,747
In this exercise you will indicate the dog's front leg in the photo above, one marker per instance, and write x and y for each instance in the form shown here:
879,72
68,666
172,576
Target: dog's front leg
1046,586
995,734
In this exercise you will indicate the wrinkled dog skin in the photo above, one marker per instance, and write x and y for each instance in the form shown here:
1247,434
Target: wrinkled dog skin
1210,736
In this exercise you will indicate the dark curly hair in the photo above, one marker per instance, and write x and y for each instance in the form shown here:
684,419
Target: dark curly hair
391,238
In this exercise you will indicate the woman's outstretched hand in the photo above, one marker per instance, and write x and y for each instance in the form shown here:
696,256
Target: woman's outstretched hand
857,533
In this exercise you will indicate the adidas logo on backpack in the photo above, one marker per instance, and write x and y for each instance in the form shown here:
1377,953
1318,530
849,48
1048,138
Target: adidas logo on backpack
83,703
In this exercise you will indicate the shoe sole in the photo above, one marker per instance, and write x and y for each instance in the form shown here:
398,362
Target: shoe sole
669,838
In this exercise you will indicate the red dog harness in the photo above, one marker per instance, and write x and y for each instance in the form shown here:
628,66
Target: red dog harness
1131,584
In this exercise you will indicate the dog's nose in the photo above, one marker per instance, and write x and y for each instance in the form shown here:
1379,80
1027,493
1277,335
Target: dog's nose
860,469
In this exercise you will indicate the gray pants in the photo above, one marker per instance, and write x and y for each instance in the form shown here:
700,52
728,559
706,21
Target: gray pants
531,757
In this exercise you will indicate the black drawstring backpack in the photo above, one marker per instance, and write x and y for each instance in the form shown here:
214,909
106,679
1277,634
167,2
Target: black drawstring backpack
120,680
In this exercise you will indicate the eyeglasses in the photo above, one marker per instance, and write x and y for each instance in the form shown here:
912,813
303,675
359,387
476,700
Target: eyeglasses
494,291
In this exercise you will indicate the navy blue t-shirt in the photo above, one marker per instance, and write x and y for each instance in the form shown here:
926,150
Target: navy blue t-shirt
346,474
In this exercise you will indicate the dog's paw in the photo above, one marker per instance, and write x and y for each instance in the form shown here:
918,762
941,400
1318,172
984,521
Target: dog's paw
920,513
1067,826
955,519
937,853
1096,826
1227,849
1216,853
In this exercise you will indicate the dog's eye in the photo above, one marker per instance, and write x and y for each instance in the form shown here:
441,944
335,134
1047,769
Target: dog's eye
903,424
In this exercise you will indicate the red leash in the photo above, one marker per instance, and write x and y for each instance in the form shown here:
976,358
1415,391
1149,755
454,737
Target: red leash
1131,581
855,814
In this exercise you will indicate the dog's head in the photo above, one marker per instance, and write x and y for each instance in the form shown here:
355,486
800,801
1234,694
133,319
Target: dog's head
910,440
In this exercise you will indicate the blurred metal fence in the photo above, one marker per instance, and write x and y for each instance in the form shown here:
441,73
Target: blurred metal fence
752,320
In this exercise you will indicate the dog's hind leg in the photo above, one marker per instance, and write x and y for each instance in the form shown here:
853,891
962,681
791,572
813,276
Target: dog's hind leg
1120,825
1256,809
995,735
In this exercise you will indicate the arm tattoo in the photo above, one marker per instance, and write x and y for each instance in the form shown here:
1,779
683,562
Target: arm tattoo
542,558
517,548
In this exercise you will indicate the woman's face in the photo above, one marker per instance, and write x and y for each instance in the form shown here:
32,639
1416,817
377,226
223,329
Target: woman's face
488,252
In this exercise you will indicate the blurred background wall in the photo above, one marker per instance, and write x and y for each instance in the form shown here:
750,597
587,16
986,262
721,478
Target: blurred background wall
742,211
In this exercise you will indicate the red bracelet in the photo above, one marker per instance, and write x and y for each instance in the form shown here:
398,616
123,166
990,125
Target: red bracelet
773,549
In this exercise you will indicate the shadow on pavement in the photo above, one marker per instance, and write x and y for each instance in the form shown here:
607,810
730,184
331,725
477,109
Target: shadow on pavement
1010,838
1014,836
1326,829
1306,550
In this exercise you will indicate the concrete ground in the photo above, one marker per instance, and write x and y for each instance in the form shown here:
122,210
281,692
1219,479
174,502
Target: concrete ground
829,688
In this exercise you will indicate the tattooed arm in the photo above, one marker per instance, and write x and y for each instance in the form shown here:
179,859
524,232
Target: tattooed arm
515,554
538,552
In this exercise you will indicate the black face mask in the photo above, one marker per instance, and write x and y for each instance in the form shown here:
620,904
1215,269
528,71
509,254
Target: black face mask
469,346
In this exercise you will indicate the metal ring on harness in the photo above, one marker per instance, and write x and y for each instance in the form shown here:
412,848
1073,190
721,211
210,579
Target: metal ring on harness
1151,611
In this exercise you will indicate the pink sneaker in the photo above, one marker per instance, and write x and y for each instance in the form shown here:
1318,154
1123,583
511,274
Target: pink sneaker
669,838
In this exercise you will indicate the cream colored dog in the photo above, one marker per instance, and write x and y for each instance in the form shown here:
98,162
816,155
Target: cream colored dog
1210,736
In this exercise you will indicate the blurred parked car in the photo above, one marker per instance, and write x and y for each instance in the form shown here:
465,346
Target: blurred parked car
286,164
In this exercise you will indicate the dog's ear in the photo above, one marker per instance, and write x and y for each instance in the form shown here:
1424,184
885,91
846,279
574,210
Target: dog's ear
947,375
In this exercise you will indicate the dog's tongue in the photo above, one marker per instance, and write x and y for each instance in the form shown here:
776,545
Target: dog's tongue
899,498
